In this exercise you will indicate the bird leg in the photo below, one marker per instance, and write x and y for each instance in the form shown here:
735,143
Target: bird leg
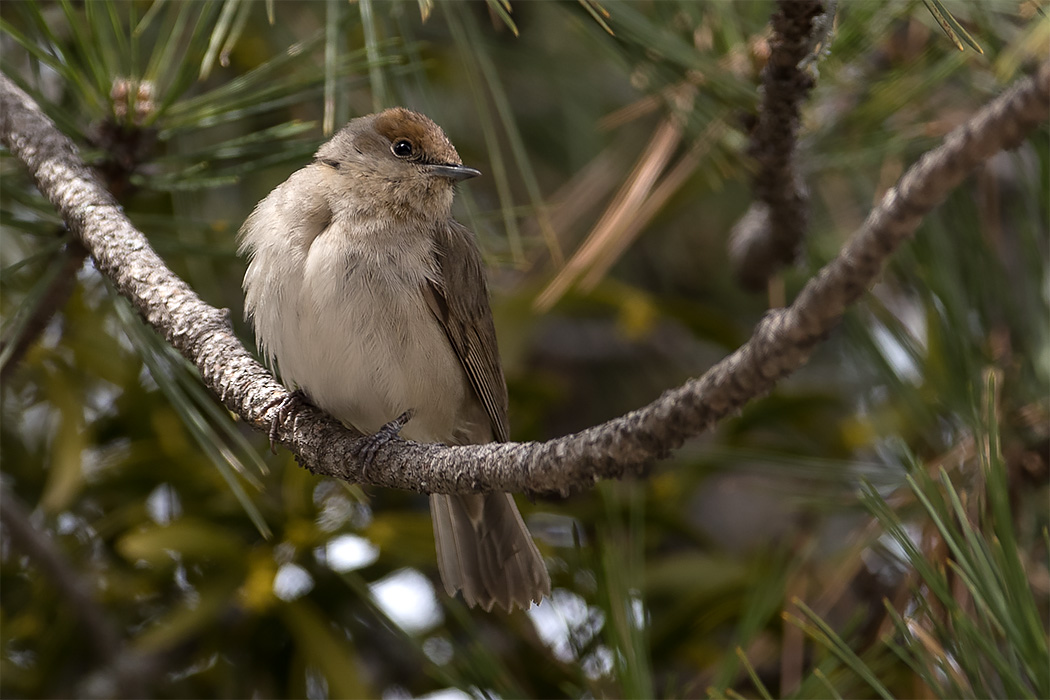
372,443
285,404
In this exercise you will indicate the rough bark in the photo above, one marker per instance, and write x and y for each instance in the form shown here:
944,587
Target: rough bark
767,237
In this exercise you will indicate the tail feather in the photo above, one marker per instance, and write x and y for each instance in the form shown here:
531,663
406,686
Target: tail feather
485,551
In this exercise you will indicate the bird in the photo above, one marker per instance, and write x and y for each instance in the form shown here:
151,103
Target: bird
370,299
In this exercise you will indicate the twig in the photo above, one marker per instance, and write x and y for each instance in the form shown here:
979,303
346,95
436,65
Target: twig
768,235
53,299
33,543
122,672
780,344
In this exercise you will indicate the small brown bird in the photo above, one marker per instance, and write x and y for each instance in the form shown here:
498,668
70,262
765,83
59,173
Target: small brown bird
371,299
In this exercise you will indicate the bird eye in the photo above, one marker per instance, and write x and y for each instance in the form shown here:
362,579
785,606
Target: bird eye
402,148
331,163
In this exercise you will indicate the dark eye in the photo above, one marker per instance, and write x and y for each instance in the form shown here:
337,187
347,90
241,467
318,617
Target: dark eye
331,163
402,148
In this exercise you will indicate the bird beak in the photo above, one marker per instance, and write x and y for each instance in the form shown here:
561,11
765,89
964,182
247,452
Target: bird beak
454,172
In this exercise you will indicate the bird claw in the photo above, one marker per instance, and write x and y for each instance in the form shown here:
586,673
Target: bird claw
285,404
373,442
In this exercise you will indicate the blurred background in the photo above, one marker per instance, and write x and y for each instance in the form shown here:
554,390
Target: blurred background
876,527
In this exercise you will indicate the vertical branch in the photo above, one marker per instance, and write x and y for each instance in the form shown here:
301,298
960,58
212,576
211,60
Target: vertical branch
768,235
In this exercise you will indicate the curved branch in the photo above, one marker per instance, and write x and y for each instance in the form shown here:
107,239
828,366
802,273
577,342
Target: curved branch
780,344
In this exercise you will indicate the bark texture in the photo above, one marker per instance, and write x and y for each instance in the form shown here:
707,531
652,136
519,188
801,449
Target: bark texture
767,237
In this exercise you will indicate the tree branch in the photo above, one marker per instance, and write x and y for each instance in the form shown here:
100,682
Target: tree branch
768,235
780,344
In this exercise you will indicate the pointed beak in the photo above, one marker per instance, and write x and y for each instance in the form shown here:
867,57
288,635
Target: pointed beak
454,172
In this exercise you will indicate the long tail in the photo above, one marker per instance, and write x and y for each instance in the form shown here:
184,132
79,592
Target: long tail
485,551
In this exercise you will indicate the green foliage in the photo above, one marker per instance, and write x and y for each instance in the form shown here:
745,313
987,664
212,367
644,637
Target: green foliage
229,564
971,626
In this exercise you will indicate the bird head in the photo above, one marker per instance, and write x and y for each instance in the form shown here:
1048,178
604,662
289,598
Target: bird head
397,159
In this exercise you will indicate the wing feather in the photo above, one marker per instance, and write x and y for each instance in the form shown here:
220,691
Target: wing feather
459,299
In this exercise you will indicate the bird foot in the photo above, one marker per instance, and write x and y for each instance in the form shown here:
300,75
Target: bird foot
285,404
373,442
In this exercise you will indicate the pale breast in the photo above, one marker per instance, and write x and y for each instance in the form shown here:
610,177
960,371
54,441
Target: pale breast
367,347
